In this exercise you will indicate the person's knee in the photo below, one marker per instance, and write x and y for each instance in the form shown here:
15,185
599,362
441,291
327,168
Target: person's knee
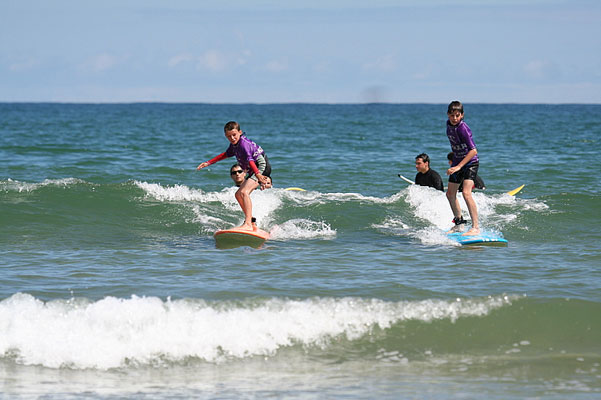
467,194
242,192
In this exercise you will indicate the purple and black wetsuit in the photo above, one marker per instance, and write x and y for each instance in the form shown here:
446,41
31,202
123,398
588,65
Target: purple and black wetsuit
245,151
460,137
249,155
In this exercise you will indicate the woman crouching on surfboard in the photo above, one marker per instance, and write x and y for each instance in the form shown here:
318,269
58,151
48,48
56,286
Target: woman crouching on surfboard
252,159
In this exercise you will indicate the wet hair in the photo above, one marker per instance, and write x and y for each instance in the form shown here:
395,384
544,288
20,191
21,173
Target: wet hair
450,156
424,158
231,126
455,106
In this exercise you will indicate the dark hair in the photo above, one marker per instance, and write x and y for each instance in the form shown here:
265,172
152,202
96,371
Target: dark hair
455,106
231,126
235,165
424,158
450,156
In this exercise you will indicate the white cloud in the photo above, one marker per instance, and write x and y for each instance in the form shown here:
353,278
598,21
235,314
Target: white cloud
212,60
538,69
424,74
23,65
216,61
385,63
179,59
244,56
99,63
276,66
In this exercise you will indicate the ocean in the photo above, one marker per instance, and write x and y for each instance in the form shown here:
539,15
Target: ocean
111,285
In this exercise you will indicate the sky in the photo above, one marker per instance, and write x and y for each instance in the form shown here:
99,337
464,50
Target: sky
277,51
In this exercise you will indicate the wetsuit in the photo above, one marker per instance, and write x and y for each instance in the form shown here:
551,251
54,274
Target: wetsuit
430,178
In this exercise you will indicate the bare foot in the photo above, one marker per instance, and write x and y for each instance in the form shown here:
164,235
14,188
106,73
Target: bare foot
245,227
456,228
472,232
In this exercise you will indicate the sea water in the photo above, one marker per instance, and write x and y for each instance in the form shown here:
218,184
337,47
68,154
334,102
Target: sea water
111,284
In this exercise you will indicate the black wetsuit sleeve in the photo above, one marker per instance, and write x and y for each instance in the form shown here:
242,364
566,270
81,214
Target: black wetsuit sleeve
431,179
437,181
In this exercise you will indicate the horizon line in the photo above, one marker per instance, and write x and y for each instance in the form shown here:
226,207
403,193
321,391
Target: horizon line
281,103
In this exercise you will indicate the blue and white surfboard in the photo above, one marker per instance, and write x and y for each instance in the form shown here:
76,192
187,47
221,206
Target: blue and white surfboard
483,238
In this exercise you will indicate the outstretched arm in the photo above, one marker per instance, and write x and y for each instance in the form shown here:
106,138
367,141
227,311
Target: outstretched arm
213,160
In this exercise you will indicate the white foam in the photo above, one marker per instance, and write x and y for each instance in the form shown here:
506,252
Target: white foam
302,229
114,332
394,225
17,186
177,193
432,206
265,202
309,198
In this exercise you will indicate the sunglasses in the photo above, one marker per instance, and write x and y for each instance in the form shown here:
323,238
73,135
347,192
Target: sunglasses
236,172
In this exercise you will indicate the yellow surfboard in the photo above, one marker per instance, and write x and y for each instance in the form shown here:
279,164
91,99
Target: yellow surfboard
515,191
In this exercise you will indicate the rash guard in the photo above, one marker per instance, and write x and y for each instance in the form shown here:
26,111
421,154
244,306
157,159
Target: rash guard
460,137
247,153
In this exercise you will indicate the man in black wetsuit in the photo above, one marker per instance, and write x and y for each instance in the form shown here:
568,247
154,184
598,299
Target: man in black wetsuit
426,176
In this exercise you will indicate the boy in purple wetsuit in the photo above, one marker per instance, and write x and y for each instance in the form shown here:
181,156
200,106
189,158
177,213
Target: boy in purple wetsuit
252,160
464,167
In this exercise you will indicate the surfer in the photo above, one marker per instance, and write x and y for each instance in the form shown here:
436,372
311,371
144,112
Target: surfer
478,182
252,159
464,167
426,176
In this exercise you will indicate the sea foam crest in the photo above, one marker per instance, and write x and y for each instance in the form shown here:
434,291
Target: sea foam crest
432,205
17,186
176,193
302,229
308,198
114,332
265,202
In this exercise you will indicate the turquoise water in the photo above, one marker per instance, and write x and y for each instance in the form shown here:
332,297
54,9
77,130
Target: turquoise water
111,285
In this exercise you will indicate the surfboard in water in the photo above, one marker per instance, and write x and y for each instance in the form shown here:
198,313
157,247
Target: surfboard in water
515,191
511,192
484,238
234,237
